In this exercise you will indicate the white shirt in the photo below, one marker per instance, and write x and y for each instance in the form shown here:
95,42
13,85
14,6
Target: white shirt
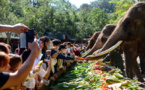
31,83
68,50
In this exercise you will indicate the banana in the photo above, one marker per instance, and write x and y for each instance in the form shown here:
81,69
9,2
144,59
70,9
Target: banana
112,80
117,75
125,83
40,63
112,71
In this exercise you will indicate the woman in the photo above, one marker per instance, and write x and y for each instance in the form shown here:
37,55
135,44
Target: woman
44,44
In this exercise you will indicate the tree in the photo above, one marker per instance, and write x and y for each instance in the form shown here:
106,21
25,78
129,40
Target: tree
104,4
121,7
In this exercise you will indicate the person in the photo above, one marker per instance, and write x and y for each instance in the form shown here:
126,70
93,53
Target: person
69,51
61,63
55,55
44,45
6,79
77,50
15,62
116,58
29,83
4,48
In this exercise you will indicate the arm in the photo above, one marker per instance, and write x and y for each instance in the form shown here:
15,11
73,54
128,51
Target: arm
47,74
18,28
20,76
66,52
39,81
65,57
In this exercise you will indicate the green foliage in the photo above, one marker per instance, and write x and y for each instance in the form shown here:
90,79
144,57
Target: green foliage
61,16
120,9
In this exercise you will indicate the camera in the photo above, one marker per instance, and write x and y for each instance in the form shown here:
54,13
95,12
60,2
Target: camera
27,37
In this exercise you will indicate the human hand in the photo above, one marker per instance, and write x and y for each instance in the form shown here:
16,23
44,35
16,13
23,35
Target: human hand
34,48
85,61
47,61
39,85
19,28
37,69
76,58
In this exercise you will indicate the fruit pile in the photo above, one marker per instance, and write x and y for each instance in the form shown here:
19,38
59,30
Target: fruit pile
94,76
110,77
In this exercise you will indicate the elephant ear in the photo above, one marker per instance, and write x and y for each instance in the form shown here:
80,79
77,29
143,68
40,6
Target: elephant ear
126,23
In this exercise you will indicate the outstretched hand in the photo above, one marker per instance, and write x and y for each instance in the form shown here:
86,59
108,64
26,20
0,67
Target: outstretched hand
37,69
20,28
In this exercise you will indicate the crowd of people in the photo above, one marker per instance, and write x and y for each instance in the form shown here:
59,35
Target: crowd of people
21,70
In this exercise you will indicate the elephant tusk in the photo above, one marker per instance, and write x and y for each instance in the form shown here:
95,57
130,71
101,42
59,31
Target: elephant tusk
108,50
86,52
96,52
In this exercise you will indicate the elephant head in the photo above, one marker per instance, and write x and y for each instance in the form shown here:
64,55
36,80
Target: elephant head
102,38
130,28
93,40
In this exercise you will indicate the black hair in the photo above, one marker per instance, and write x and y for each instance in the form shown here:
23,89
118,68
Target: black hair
62,46
68,43
45,39
56,42
3,48
25,56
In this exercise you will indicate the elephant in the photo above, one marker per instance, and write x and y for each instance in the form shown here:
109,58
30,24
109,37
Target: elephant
102,38
129,34
93,39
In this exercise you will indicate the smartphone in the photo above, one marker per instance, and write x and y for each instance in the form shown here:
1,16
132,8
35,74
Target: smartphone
27,37
30,35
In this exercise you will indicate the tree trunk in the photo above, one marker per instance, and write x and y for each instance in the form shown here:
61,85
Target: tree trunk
8,37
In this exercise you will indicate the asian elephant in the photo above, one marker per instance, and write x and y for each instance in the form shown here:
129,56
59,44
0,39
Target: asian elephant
130,35
102,38
93,40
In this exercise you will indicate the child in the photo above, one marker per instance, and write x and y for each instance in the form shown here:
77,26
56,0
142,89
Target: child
61,63
69,51
30,81
15,62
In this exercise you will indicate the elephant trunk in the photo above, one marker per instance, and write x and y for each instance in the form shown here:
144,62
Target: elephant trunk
113,42
114,38
96,46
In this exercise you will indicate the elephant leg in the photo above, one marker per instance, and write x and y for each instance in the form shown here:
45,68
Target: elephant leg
137,71
128,66
130,54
